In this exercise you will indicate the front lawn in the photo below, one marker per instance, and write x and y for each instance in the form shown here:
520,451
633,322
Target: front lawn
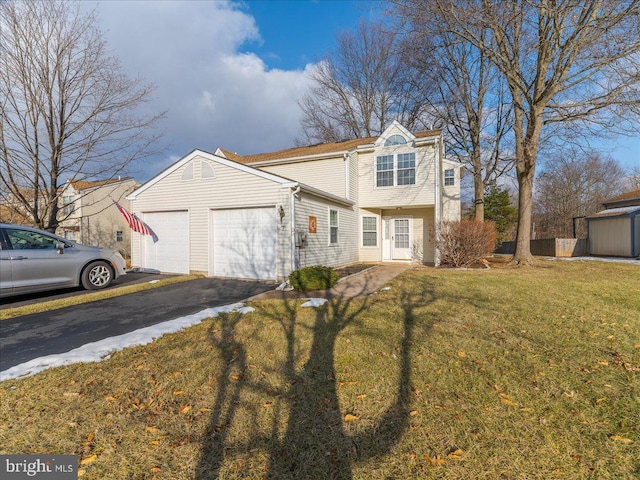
480,374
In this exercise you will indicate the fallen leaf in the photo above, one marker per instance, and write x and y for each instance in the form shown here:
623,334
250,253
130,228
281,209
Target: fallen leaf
178,392
362,395
504,395
185,408
413,413
111,399
462,353
89,459
153,429
350,418
456,453
81,472
155,470
618,438
175,374
436,461
508,402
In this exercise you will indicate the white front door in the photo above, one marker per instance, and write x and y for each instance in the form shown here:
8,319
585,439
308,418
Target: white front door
397,238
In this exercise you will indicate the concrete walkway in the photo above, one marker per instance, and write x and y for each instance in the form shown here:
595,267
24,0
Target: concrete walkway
361,284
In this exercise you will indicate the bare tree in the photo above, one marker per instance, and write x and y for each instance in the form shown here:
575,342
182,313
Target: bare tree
574,185
468,98
634,178
564,61
67,111
360,88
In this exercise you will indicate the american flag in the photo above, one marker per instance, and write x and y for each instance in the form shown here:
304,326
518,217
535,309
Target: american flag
135,223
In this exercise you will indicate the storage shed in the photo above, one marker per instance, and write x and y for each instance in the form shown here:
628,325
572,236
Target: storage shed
615,231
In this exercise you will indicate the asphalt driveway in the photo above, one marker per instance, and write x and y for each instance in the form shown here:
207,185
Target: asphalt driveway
58,331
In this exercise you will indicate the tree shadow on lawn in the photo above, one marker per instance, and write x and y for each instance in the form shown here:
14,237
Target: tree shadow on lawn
314,443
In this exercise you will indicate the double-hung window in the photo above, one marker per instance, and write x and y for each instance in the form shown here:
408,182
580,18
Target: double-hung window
384,171
396,170
369,232
333,227
449,177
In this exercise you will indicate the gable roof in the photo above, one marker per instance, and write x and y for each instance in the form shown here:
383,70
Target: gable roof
320,149
285,182
85,184
628,197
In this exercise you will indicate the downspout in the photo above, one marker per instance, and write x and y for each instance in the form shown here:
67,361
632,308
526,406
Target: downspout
437,214
294,192
345,157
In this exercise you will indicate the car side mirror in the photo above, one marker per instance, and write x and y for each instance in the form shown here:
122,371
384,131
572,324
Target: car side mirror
60,247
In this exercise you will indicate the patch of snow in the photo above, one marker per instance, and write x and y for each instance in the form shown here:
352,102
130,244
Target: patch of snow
284,286
314,302
385,289
631,261
244,310
102,349
154,281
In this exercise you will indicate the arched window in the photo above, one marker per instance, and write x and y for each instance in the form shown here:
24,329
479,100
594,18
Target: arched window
188,172
207,170
395,140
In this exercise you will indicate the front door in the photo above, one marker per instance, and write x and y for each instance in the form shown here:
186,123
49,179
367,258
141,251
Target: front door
397,238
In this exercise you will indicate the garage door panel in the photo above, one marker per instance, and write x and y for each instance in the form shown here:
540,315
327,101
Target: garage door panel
170,253
244,244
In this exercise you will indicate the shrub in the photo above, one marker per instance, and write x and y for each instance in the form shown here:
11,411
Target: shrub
464,242
316,277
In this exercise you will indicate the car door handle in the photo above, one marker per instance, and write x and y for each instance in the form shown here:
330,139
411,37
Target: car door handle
19,257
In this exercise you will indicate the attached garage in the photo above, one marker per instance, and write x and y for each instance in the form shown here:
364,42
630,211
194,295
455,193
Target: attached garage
245,243
170,254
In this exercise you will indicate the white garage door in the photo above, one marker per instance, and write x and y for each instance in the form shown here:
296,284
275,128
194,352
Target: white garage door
244,243
170,253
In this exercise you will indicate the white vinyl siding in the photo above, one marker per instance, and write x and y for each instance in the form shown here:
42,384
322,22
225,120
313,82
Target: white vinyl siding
317,250
419,194
231,188
328,175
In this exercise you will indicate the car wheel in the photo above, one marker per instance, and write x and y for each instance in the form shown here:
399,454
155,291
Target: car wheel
97,275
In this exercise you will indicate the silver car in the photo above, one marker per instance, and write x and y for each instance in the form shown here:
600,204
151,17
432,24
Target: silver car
33,260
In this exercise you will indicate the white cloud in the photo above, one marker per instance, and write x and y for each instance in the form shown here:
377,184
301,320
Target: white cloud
215,94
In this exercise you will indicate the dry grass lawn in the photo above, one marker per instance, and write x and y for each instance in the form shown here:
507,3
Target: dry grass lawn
487,374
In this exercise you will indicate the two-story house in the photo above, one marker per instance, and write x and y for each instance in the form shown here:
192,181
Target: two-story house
263,216
89,216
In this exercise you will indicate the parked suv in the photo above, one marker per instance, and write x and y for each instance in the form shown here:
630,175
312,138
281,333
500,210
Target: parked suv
33,260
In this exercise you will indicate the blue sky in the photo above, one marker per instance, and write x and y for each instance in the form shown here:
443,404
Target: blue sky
229,73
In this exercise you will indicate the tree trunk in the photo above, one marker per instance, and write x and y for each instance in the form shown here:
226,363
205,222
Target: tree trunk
478,187
526,169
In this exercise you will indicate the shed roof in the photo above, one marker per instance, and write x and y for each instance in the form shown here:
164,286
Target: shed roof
625,197
616,212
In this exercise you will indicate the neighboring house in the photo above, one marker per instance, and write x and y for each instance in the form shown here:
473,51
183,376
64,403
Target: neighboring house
615,231
89,216
263,216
